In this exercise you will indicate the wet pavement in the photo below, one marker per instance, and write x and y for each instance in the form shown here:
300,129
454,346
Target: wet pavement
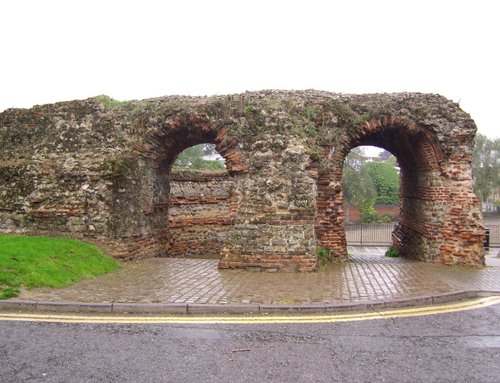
367,276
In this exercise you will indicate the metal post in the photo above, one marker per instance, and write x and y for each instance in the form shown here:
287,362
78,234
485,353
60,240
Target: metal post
487,239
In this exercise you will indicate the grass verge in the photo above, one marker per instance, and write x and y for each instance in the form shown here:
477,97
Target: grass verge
47,262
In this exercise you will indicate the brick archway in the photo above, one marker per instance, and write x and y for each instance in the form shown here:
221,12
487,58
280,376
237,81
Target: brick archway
434,202
175,136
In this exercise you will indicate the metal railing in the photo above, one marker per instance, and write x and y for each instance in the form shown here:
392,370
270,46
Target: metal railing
381,234
494,235
369,233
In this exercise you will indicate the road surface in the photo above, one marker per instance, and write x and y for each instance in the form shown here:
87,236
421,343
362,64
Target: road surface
449,347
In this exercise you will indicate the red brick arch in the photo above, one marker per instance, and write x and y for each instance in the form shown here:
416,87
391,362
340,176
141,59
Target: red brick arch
426,191
174,136
183,132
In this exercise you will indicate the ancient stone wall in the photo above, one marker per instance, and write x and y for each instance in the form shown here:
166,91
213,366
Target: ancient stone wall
202,210
101,170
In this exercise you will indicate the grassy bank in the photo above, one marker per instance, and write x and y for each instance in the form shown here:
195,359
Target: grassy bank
47,262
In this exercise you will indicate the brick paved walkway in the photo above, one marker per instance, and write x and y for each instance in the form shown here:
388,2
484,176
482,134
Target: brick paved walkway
367,276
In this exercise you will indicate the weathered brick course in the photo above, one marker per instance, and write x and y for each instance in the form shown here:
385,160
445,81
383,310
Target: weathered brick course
203,208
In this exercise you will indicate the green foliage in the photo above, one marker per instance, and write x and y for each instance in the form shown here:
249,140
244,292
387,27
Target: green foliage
192,159
386,218
214,165
368,213
311,131
392,252
188,156
111,103
359,189
386,181
355,159
368,183
323,256
47,262
303,123
485,164
8,292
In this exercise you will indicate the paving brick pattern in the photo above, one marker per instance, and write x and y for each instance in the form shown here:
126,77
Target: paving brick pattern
364,277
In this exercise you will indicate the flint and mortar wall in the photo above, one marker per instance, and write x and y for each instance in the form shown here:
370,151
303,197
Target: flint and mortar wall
99,170
274,225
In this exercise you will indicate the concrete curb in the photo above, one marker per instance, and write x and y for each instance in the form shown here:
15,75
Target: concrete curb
259,309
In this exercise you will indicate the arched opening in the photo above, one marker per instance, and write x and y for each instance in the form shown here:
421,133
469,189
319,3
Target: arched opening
176,223
424,194
201,203
202,158
370,185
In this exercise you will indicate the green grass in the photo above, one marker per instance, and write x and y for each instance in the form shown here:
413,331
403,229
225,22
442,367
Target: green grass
47,262
111,102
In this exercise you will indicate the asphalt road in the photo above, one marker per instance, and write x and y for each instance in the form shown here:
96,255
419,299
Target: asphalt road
453,347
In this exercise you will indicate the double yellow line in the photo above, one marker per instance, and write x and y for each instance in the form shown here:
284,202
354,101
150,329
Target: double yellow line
260,319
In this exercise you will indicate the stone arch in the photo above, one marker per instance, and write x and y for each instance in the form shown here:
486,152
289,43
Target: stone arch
427,209
179,133
175,136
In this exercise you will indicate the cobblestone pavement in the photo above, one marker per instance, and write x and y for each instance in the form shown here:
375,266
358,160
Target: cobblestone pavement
367,276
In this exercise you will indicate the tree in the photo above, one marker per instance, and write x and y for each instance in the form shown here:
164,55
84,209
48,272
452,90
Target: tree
188,157
359,189
386,180
192,159
355,159
485,163
368,182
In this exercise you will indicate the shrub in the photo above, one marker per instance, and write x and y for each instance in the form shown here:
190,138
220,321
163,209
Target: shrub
323,256
368,214
386,218
392,252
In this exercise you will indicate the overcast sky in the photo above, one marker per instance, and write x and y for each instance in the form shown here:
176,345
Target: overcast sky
63,50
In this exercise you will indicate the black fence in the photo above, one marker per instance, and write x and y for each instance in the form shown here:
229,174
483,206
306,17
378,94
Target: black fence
494,235
369,233
380,234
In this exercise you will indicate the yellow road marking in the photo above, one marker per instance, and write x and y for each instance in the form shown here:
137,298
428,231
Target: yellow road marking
253,319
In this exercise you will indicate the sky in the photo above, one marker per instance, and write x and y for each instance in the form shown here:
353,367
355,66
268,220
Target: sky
63,50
